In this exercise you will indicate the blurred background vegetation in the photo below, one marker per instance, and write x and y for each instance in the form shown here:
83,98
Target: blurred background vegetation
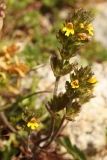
34,23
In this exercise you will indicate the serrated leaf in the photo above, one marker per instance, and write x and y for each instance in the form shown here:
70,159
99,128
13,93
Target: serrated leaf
59,102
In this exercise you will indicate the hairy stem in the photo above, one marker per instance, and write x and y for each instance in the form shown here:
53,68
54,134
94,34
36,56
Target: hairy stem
20,99
51,125
56,134
28,141
50,132
56,86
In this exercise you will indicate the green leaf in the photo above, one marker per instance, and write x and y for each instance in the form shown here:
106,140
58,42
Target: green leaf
59,102
72,149
61,68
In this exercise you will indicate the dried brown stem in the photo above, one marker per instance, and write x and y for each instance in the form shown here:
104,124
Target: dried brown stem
5,120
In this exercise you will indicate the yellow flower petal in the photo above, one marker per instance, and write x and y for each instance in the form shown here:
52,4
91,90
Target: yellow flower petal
64,29
90,29
33,127
92,80
68,29
33,124
28,124
75,84
89,91
81,25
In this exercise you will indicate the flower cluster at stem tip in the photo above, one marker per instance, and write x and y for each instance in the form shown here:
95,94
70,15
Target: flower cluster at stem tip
69,30
75,83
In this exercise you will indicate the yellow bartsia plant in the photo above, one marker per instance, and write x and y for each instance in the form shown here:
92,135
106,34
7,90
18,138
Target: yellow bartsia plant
44,129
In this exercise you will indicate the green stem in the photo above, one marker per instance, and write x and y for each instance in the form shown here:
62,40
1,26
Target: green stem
2,108
56,86
56,134
32,94
19,100
33,88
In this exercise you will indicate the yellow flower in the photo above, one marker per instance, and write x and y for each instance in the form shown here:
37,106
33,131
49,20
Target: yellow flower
33,124
81,25
82,36
92,80
75,84
68,29
90,28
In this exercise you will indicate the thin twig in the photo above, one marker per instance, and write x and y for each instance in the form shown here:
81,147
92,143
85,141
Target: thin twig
56,134
51,125
50,132
5,120
20,99
63,127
